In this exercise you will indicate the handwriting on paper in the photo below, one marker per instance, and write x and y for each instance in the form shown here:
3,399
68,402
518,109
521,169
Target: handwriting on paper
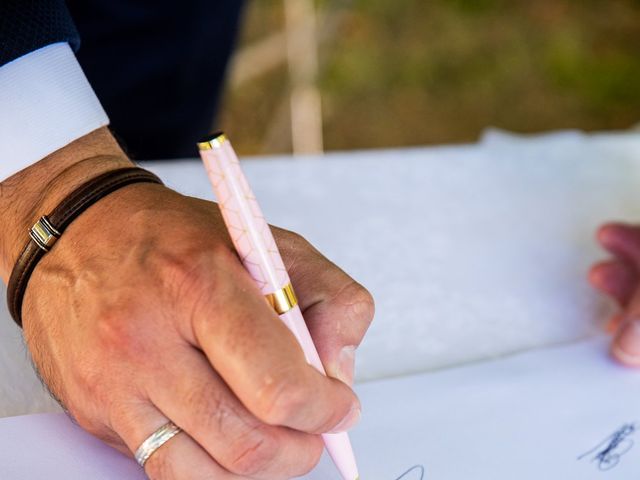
608,453
414,473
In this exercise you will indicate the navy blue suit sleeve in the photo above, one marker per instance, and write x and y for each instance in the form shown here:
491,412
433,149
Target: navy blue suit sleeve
27,25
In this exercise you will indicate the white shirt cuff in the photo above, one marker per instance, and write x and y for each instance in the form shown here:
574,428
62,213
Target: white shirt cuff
46,102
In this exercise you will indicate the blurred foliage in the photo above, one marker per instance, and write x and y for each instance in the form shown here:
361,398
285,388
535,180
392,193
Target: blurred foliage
407,72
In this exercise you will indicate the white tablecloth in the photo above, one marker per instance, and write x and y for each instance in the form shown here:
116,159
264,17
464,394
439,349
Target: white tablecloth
471,251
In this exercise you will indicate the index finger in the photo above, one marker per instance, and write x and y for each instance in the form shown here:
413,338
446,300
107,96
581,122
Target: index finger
337,309
260,360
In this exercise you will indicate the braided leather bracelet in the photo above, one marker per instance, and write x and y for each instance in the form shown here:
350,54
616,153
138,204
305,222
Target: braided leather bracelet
49,228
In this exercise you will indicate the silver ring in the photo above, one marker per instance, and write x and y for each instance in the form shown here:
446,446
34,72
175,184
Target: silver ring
155,441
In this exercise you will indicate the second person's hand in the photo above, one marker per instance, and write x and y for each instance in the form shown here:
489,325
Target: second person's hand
619,278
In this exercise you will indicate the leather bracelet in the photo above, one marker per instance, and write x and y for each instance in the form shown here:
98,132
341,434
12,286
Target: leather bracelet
49,228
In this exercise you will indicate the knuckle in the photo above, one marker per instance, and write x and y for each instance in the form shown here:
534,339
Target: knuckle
360,301
251,454
283,236
291,243
208,410
297,239
281,399
302,249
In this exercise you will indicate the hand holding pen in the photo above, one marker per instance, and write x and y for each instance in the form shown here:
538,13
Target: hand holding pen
258,252
142,314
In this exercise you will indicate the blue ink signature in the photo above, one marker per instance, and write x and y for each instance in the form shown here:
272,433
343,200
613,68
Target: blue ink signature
608,452
417,468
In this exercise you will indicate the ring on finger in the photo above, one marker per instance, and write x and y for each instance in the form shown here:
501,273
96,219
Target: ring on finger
154,441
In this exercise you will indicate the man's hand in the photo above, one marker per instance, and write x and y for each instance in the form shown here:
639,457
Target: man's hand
142,313
620,279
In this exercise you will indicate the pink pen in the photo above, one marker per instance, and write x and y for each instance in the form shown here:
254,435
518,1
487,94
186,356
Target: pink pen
256,247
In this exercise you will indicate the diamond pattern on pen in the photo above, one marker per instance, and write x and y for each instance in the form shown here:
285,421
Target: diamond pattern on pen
254,243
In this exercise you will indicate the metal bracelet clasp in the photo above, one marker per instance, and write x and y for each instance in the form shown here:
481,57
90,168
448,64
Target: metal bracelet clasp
44,234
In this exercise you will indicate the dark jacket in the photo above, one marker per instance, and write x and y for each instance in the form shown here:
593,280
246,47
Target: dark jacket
156,65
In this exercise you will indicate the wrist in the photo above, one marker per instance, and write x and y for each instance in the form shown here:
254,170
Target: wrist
34,191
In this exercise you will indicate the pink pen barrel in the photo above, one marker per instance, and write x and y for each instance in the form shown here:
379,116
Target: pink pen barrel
256,247
338,445
243,217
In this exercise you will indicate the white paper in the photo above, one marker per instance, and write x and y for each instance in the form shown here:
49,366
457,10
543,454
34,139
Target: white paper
51,447
526,417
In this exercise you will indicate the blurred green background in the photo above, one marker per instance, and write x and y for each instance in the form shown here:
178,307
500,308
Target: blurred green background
413,72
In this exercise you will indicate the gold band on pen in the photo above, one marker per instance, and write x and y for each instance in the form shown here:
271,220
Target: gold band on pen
213,141
282,300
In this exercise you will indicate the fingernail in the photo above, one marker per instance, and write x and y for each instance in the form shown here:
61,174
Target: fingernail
346,365
626,346
348,422
613,323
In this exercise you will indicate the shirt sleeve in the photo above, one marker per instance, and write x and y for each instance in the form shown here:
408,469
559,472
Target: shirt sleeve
46,102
